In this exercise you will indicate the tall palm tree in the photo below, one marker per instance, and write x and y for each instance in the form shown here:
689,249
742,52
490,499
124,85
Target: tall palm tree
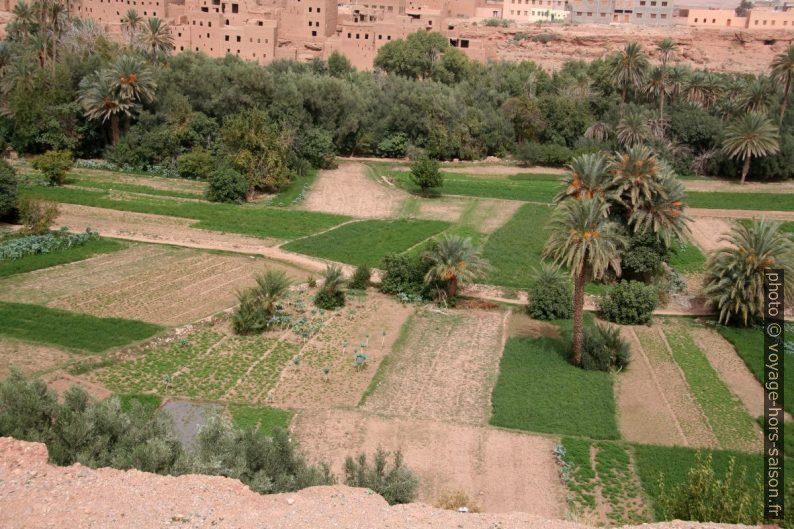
24,18
587,176
663,215
133,79
756,95
666,49
635,176
702,89
598,131
130,24
101,100
633,128
583,239
156,39
734,281
58,21
628,69
454,260
750,135
783,72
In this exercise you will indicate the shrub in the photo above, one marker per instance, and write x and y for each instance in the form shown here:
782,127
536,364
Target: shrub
519,36
544,38
329,300
19,247
604,349
9,192
226,185
397,484
426,173
550,294
644,257
331,295
257,305
37,215
196,165
629,303
317,147
496,22
361,277
54,165
703,497
394,145
404,274
548,154
457,501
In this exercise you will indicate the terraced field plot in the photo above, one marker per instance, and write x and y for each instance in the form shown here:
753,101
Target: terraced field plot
444,368
30,358
158,284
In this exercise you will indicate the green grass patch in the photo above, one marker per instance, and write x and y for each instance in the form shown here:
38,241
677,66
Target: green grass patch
729,421
295,190
150,403
94,183
83,332
749,343
539,391
29,263
263,419
730,200
516,248
688,259
366,242
249,219
579,476
383,367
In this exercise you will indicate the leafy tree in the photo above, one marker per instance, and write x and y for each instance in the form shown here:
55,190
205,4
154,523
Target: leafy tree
550,294
339,65
414,56
426,173
9,193
629,303
54,165
584,240
454,260
743,8
629,69
734,279
196,165
226,185
748,136
783,73
525,115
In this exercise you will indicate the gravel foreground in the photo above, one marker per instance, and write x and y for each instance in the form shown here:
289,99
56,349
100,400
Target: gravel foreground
35,494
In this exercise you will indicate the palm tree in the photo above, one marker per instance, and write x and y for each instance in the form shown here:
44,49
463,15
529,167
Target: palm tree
133,79
333,279
587,176
635,176
750,135
454,260
702,89
666,48
734,281
130,24
101,101
598,131
58,22
24,19
156,39
271,287
628,70
663,215
583,239
633,128
756,95
783,72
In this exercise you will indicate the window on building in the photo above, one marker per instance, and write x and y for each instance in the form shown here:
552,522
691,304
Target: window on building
653,4
589,13
209,24
314,33
696,21
208,35
664,15
642,3
664,4
349,36
653,15
227,21
639,15
238,38
205,9
235,8
226,38
310,10
713,20
318,9
358,36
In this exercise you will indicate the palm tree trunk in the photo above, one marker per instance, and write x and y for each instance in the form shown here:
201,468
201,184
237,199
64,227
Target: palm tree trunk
114,129
622,101
785,100
745,169
578,317
452,287
661,97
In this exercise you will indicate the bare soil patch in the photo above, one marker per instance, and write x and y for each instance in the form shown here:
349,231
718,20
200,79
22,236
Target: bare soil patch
735,186
371,325
674,388
159,284
707,231
445,369
29,358
146,227
501,471
644,414
520,324
348,190
478,169
61,382
740,214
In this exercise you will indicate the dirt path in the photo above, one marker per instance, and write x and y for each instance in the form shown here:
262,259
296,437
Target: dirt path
501,471
348,190
731,369
445,369
740,214
735,187
707,231
675,389
645,415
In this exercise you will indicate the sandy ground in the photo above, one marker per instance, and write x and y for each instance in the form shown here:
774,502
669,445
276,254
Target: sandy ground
159,284
30,358
479,169
740,214
736,187
60,382
445,369
667,375
377,321
502,471
348,190
706,233
644,415
34,494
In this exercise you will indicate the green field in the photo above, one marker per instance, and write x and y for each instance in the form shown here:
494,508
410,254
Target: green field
753,201
366,242
515,249
539,391
292,193
728,418
29,263
688,259
149,403
97,183
250,219
260,418
749,343
34,323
